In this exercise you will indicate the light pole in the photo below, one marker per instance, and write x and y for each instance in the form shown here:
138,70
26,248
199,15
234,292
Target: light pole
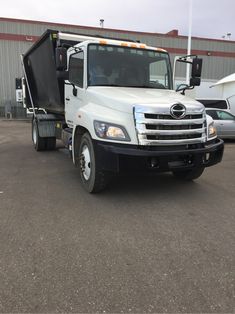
227,36
189,39
101,23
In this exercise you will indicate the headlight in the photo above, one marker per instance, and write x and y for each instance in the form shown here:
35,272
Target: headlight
111,131
212,130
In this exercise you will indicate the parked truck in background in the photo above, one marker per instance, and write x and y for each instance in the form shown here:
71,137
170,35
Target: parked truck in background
112,104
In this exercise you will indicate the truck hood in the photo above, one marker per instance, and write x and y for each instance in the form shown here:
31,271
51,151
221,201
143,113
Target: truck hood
125,98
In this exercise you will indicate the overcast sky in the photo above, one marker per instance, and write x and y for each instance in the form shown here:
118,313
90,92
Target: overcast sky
211,18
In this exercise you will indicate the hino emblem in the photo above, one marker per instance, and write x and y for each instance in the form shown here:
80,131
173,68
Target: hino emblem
178,111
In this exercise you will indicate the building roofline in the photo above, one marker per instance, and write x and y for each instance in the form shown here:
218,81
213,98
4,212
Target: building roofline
177,51
170,34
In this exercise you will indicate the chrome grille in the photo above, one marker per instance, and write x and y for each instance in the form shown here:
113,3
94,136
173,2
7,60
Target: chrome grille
156,126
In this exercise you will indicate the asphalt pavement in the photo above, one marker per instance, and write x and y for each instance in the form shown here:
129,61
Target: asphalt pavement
145,245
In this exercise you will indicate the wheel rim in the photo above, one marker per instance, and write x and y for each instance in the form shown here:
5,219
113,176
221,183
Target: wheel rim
85,162
34,135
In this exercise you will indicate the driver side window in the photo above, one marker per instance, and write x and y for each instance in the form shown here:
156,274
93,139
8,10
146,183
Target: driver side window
76,69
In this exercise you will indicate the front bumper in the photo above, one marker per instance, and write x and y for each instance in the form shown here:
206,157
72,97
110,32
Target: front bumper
122,158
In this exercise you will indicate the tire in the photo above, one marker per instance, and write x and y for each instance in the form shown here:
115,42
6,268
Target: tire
189,175
93,178
38,141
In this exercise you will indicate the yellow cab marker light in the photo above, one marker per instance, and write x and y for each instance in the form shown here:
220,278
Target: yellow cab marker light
142,46
133,45
103,42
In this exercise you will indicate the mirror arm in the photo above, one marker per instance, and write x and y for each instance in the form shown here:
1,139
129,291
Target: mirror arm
183,59
68,83
183,89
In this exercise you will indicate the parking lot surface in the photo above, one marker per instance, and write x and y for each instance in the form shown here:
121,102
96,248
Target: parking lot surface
145,245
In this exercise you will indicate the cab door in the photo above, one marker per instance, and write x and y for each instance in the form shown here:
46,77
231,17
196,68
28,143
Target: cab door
74,90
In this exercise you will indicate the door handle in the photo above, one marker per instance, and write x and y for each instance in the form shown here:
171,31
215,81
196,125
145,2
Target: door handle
68,99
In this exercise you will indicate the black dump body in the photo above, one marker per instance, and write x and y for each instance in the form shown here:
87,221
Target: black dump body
47,91
42,79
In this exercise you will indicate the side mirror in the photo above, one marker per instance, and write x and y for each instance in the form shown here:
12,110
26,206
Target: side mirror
61,58
197,67
196,72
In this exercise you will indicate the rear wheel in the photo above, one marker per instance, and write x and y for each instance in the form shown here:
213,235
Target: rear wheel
189,175
38,141
93,178
41,143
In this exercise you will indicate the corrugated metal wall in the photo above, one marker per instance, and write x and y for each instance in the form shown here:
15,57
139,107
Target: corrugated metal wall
214,67
10,68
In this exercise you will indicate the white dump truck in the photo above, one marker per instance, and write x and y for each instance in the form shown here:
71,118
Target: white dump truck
113,105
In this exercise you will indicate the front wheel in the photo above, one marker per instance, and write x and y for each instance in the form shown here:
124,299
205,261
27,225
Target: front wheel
93,178
189,175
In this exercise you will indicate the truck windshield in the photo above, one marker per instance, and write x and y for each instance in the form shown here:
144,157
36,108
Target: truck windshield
128,67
